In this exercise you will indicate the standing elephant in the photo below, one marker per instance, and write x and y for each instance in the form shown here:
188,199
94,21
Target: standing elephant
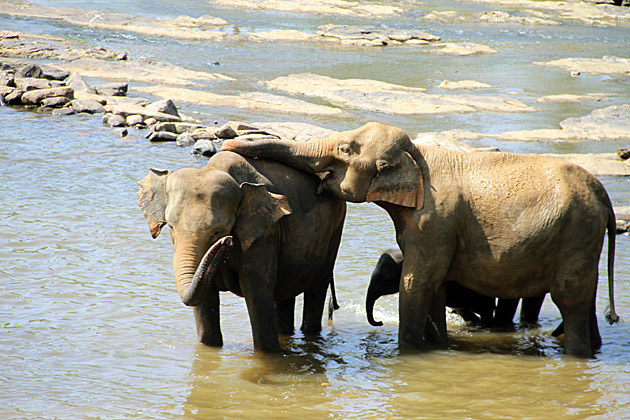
385,280
252,227
501,224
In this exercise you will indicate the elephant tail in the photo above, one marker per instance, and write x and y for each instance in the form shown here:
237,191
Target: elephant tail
611,315
332,302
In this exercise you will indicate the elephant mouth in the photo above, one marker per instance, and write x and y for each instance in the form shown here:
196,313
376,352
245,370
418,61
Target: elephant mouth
214,257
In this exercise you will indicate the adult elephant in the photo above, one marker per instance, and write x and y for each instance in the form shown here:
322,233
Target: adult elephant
470,305
501,224
252,227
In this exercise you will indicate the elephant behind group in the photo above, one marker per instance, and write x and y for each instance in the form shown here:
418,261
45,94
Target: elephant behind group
253,227
502,224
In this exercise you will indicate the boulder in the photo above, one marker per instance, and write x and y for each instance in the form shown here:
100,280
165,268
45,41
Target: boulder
184,140
114,120
55,102
177,127
31,83
63,111
30,70
113,89
78,83
165,106
34,97
7,78
623,153
124,110
88,106
205,148
162,136
135,120
53,73
14,97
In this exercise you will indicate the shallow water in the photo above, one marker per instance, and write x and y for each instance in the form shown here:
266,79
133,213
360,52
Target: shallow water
91,325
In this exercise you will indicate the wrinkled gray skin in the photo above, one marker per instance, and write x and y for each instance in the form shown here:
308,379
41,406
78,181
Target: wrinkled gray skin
252,227
505,225
470,305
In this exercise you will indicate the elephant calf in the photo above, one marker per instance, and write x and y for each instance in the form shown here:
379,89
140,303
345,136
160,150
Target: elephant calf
470,305
253,227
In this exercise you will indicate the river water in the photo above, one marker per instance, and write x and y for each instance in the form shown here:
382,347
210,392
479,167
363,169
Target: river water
91,326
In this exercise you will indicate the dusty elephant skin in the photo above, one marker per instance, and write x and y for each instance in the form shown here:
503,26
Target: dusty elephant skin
470,305
505,225
252,227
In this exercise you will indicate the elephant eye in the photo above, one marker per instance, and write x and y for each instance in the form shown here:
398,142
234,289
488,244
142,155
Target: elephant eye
344,149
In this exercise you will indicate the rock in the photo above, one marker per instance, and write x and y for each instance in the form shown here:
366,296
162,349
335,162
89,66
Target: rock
88,106
122,132
463,84
464,49
30,70
165,106
55,102
14,97
53,73
177,127
623,226
162,136
113,89
7,78
125,110
226,131
115,121
31,83
606,65
150,122
184,140
205,148
34,97
623,153
135,120
63,111
78,83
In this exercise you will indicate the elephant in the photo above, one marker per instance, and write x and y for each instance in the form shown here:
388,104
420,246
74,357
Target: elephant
471,306
502,224
253,227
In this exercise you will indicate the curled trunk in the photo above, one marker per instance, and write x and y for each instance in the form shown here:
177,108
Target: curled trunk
371,298
193,290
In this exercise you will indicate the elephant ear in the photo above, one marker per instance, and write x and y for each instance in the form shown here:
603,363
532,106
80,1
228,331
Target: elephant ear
259,209
400,183
152,199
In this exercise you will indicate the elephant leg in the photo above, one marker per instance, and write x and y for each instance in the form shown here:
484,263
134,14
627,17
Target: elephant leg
314,302
207,319
437,318
258,282
596,338
285,316
504,313
530,309
467,315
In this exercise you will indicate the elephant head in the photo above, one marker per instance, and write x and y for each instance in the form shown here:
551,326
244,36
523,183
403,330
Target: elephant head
210,216
375,162
385,280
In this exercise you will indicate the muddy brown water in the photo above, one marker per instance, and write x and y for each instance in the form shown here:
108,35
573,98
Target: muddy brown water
91,326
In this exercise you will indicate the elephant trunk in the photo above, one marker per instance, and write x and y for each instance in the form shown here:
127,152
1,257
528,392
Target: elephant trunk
311,156
192,289
372,297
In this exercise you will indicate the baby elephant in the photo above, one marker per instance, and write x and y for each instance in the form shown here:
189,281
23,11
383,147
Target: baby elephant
470,305
466,303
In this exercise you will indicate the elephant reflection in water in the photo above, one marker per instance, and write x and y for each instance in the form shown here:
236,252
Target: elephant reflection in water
471,306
